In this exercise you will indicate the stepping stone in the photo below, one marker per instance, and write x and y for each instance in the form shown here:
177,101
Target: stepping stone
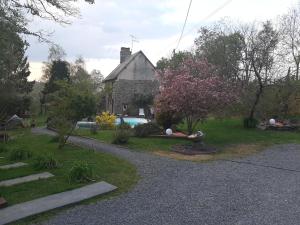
22,210
20,180
14,165
3,203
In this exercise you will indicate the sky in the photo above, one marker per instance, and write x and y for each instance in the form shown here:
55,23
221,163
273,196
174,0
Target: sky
104,27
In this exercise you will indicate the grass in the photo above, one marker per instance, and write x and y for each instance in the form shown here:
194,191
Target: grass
105,167
230,131
229,135
138,144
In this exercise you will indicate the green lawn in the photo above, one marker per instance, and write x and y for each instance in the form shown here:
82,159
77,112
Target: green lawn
231,131
105,167
227,134
147,143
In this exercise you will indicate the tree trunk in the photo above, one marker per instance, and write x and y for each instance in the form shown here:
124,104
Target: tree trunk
258,92
297,71
189,123
65,138
257,98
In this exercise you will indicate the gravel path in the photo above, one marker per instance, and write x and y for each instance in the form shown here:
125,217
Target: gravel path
263,189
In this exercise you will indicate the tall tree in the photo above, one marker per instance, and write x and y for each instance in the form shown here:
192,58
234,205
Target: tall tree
14,71
59,71
78,71
69,104
174,61
290,38
262,45
222,48
55,70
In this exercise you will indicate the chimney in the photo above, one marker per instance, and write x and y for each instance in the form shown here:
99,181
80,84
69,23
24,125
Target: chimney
125,53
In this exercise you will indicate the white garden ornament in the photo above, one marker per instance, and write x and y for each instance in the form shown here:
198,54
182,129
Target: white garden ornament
169,131
272,121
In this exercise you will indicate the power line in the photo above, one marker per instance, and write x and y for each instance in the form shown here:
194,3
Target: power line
205,18
212,14
186,17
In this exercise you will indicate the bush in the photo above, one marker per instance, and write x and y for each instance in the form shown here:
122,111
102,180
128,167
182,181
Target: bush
144,130
124,126
45,162
19,154
250,123
106,120
81,172
167,119
54,139
121,136
3,148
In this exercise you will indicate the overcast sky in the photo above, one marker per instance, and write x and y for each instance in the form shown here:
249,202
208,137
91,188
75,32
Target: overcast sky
106,26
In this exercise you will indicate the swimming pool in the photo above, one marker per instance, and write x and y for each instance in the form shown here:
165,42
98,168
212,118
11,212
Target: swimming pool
132,121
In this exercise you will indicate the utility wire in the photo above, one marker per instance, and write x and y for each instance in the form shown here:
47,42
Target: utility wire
212,14
186,17
204,19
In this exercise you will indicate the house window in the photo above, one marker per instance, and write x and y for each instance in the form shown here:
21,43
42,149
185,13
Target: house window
125,107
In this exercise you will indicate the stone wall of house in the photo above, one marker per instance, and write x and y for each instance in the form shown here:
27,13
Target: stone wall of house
139,69
125,90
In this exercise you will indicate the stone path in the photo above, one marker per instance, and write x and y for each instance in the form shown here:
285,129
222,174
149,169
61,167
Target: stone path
19,211
260,190
12,166
21,180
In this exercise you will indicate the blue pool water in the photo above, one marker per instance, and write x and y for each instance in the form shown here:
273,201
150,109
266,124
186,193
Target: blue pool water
132,121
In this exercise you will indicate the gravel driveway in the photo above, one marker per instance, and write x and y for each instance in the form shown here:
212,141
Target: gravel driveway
261,189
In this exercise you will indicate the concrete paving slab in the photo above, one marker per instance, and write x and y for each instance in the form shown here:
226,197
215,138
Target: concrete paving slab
22,210
20,180
12,166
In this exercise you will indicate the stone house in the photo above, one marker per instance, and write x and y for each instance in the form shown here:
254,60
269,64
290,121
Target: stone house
134,76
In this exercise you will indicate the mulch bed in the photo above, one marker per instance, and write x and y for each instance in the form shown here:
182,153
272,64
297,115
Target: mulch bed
194,149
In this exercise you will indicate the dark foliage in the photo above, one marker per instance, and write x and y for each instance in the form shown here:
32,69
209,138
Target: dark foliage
81,172
144,130
45,162
121,136
167,119
19,154
250,122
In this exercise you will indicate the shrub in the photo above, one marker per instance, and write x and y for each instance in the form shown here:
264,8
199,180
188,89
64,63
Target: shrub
167,119
250,122
124,126
144,130
81,172
19,154
54,139
121,136
45,162
106,120
3,148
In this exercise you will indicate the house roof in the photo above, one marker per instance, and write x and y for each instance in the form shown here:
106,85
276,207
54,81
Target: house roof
115,73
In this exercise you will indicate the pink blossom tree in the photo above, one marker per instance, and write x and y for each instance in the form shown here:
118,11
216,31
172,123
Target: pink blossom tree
193,90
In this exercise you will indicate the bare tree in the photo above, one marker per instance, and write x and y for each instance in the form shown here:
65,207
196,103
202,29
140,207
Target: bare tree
262,45
290,38
17,13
